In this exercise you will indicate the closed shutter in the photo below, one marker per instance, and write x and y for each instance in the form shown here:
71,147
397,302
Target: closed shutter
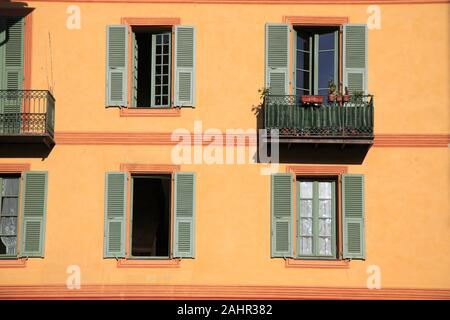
12,29
184,66
115,212
353,216
355,57
277,59
116,65
281,215
184,234
34,205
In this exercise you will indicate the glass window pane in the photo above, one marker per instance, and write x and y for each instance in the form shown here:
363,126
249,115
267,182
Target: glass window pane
302,60
324,208
325,246
158,60
306,208
158,101
306,189
166,49
325,227
165,100
325,190
302,79
165,79
166,69
9,206
305,245
326,68
158,49
157,90
302,41
326,41
158,39
165,90
306,227
166,59
8,226
10,187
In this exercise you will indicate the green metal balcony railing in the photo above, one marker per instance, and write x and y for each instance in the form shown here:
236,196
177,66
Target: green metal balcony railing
333,120
27,112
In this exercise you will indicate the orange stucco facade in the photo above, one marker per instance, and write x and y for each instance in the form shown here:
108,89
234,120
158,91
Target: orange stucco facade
406,183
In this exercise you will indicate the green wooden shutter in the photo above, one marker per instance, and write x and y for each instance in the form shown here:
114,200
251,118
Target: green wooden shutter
34,203
277,58
353,216
117,65
184,66
282,215
355,57
12,62
184,233
115,213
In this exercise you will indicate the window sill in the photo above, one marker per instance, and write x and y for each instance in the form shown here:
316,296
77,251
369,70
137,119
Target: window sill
150,112
319,264
151,263
13,262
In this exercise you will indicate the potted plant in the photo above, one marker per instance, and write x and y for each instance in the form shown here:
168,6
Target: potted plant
346,95
331,91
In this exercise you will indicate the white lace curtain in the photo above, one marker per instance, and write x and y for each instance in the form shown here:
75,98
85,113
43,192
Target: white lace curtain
8,217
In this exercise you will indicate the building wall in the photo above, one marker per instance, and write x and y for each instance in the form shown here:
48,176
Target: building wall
407,203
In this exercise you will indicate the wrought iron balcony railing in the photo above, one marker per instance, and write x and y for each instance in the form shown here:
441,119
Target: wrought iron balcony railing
27,112
350,119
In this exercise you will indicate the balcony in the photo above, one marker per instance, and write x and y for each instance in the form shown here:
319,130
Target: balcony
330,127
27,121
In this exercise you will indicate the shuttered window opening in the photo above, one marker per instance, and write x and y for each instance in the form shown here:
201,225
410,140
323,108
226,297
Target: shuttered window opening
315,59
151,199
315,233
161,76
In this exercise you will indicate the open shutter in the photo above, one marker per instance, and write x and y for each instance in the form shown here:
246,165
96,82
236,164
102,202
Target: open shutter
353,216
116,65
355,57
12,64
115,204
184,66
282,215
277,59
34,203
184,234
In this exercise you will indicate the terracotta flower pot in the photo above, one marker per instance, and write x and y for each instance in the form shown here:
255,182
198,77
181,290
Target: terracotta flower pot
312,99
331,97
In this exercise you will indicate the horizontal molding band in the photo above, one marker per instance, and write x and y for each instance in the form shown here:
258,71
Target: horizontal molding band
164,138
254,2
14,167
132,291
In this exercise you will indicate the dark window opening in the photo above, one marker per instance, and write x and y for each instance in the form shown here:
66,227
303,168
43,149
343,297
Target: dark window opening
317,60
152,55
151,216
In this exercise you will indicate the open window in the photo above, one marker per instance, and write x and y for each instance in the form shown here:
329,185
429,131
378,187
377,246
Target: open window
316,60
150,216
160,72
161,220
152,67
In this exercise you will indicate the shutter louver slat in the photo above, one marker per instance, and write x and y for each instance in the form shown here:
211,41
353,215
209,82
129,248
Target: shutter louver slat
13,49
353,216
355,57
277,58
34,214
115,213
117,65
282,215
184,232
184,66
